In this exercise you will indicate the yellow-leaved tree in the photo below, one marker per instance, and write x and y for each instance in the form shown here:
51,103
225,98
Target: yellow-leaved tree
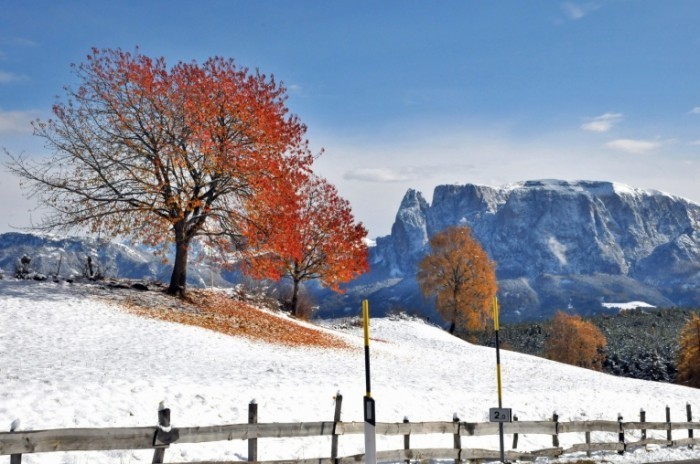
459,274
575,341
689,353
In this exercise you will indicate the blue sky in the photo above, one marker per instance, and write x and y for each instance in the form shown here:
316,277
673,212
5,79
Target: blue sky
408,94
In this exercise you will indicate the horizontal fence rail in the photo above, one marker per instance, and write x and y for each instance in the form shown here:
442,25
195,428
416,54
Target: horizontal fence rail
159,438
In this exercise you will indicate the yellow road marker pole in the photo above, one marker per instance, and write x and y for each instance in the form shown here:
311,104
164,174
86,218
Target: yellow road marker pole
369,411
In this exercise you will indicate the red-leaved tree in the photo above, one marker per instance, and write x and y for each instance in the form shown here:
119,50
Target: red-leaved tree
325,242
165,155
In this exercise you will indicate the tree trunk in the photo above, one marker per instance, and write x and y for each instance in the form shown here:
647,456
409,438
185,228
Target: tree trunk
295,297
453,322
178,279
91,271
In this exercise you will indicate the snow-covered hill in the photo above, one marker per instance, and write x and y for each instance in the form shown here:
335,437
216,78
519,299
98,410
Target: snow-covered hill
68,359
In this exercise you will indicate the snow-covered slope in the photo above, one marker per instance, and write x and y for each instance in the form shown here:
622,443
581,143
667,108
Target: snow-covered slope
69,360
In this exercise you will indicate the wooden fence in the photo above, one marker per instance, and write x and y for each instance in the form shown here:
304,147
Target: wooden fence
17,443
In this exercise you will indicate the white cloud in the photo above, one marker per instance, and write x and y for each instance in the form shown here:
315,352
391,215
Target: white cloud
294,88
16,122
7,77
381,174
403,173
695,110
576,11
633,146
602,123
18,42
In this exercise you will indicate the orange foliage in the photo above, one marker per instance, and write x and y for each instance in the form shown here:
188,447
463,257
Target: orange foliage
324,243
689,353
165,155
461,277
575,341
223,314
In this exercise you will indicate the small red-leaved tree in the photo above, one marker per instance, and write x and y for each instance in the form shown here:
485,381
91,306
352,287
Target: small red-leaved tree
324,242
165,155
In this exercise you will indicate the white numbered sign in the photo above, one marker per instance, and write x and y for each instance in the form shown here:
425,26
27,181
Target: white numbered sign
500,415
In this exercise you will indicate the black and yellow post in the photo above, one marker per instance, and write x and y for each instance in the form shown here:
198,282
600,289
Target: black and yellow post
370,421
496,327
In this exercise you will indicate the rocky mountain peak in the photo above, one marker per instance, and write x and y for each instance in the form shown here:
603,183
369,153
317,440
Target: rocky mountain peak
412,199
559,243
409,233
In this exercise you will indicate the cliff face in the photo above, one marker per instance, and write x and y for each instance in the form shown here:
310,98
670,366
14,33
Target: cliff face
557,244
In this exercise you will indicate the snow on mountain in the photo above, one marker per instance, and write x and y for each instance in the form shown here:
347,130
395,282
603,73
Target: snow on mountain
69,359
555,243
67,257
628,305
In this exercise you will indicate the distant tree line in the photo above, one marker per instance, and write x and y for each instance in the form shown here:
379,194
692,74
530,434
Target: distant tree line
649,344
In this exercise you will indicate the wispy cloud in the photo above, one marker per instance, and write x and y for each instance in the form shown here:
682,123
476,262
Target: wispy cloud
576,11
295,89
602,123
402,173
695,110
634,146
18,42
7,77
381,174
16,122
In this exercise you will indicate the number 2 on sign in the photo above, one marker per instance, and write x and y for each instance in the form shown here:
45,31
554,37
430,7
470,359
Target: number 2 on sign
500,415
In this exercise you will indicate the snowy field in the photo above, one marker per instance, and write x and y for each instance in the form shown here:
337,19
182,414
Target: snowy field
69,360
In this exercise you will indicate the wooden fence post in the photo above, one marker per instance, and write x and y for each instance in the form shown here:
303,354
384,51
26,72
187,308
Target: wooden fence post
588,442
15,458
407,440
336,419
555,437
253,442
457,438
515,435
668,430
689,415
163,425
643,418
621,434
